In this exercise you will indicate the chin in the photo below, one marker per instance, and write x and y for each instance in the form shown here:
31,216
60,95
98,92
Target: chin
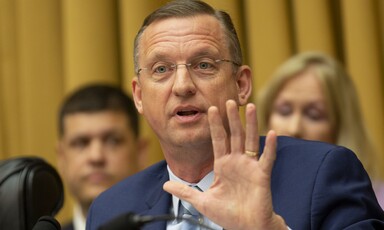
194,140
96,191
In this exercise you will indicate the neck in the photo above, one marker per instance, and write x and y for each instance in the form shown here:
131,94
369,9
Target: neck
190,172
83,209
190,164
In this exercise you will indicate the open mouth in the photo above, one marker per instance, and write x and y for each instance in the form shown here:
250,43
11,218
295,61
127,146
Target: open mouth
187,113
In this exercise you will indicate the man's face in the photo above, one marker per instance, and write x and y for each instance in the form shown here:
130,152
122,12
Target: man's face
96,151
176,106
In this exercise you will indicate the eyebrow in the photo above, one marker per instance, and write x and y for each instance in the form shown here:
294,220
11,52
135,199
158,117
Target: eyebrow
202,53
106,132
199,53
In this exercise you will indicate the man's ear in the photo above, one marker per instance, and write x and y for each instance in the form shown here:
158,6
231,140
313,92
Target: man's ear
244,83
60,157
136,93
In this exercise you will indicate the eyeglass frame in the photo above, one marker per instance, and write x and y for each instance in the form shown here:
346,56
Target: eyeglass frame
174,66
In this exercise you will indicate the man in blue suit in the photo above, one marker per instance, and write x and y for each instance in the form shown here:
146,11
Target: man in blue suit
189,84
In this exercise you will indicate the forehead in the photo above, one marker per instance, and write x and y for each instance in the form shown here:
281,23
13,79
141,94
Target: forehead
304,86
181,36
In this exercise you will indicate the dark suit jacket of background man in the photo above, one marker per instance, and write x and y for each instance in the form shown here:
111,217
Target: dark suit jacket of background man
314,186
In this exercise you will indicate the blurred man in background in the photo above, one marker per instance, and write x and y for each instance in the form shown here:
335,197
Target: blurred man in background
98,146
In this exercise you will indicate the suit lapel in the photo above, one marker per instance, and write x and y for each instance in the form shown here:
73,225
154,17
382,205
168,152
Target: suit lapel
158,201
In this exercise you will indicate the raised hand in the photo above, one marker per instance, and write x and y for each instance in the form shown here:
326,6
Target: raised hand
240,196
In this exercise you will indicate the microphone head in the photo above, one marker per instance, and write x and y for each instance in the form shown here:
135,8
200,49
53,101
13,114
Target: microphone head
47,223
128,221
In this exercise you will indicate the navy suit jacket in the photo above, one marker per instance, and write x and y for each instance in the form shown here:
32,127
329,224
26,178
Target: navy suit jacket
314,186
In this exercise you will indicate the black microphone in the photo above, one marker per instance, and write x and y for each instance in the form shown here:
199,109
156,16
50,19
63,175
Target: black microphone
47,223
128,221
132,221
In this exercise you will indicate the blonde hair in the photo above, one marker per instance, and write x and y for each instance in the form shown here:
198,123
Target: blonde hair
341,97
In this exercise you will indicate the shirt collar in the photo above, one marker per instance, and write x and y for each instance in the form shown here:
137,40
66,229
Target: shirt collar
78,218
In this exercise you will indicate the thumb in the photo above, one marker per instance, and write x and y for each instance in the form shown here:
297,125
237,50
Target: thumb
182,191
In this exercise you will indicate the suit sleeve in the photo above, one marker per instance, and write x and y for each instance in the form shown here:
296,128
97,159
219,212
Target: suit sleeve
343,197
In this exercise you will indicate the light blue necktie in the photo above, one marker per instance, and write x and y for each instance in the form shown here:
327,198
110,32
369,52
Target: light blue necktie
186,210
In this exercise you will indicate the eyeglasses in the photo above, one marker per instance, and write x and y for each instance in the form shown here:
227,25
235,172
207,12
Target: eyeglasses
201,67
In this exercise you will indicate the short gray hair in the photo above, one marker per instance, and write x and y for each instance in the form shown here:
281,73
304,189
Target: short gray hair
188,8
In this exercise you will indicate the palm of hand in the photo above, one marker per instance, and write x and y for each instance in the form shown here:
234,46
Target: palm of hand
240,196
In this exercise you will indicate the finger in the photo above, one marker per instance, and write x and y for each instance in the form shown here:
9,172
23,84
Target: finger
251,129
218,133
235,126
183,192
268,157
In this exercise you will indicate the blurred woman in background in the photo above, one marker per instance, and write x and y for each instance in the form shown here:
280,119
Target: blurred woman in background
311,96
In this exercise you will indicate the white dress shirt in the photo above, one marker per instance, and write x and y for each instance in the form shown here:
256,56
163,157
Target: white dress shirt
78,218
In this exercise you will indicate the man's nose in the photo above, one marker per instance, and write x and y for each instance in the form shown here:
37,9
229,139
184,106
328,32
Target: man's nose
96,152
183,84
